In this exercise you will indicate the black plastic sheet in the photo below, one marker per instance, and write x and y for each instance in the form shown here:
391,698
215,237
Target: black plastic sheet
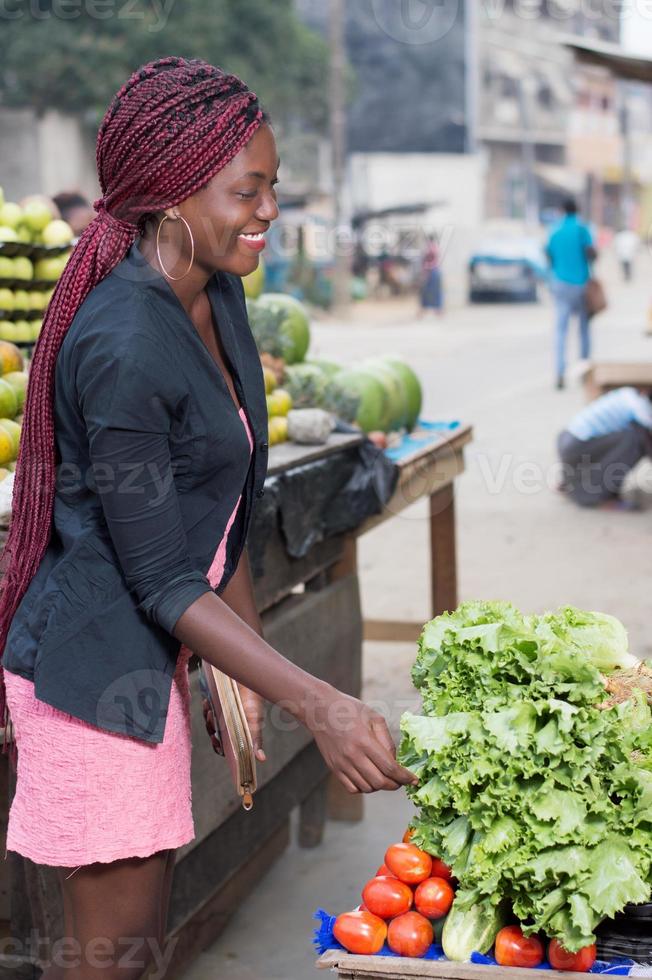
319,499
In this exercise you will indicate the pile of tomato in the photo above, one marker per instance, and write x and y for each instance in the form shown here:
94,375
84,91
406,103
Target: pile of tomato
515,949
412,892
409,892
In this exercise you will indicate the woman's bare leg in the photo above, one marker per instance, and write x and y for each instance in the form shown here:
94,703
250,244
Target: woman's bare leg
114,912
167,891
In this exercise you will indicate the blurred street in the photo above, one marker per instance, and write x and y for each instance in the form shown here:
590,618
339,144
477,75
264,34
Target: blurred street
517,539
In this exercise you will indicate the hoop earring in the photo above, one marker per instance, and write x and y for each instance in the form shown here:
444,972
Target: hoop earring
158,248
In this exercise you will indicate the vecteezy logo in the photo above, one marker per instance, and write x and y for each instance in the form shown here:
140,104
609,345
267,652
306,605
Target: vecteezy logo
134,703
416,21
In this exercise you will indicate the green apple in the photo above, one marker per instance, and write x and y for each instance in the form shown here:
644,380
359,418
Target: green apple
6,267
10,214
51,269
8,234
35,327
2,197
23,268
47,269
23,234
21,299
7,330
6,298
57,233
36,214
23,330
37,300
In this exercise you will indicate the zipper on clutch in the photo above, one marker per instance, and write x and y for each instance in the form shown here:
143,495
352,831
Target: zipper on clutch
245,762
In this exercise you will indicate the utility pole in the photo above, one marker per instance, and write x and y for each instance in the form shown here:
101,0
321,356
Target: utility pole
528,155
341,272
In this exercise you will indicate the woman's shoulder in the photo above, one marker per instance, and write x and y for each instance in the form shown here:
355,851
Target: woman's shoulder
117,319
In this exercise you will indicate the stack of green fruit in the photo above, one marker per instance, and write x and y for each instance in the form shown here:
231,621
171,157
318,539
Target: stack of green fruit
382,394
279,403
34,249
13,388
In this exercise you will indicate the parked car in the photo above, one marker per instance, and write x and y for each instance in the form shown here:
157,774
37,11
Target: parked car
507,269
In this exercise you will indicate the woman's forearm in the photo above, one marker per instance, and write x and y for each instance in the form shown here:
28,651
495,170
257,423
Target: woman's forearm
212,630
239,595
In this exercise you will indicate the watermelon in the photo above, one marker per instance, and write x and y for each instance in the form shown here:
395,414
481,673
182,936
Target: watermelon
328,368
411,387
306,384
266,328
294,324
373,402
342,402
397,408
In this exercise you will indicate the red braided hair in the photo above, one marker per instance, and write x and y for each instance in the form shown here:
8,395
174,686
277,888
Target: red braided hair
168,131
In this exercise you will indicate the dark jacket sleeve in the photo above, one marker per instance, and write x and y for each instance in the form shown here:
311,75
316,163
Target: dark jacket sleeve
127,399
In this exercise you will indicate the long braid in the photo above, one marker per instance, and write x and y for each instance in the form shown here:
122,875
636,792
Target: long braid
172,126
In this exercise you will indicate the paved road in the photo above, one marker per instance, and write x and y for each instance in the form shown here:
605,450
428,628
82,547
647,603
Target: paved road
518,540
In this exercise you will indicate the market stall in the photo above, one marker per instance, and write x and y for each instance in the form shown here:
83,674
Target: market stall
604,376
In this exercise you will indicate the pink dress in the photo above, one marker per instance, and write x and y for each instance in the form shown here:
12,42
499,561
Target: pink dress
84,794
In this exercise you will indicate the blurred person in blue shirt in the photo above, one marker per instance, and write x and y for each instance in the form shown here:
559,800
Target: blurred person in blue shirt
570,251
602,443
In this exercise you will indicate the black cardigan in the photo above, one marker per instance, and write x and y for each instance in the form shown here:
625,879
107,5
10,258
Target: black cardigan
152,459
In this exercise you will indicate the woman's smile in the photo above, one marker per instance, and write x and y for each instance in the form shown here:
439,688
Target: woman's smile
253,241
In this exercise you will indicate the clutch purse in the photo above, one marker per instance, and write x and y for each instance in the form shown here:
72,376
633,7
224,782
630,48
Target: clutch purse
234,740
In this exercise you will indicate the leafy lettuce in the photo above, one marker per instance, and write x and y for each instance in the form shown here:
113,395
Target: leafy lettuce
532,785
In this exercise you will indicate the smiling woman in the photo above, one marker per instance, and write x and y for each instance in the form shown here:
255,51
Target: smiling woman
146,385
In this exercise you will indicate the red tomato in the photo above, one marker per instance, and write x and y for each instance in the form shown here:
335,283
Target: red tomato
513,949
387,897
409,935
360,932
384,872
441,870
407,836
433,898
561,959
408,863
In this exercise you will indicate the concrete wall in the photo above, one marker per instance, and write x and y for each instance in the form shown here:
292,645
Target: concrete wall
45,154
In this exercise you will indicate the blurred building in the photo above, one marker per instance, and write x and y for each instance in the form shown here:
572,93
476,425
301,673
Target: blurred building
490,79
541,119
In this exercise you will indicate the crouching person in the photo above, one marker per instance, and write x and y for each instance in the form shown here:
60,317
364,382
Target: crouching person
603,443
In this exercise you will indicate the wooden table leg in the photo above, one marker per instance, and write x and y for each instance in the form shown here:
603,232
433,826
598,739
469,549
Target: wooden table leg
342,805
312,816
443,559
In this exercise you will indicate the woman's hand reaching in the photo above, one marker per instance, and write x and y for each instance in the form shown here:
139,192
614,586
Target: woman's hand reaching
355,743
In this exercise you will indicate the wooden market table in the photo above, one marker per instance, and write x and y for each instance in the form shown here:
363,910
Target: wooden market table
428,472
604,376
311,612
350,967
